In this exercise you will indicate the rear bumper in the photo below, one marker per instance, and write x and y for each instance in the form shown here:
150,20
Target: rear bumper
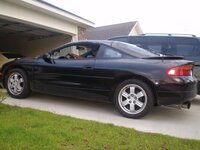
175,97
176,92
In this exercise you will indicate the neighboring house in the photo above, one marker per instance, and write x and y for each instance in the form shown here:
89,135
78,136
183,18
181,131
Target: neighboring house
105,32
32,27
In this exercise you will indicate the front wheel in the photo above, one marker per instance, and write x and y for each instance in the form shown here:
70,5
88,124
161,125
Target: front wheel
17,84
133,98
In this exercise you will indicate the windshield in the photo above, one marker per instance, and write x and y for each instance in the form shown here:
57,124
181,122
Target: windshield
133,50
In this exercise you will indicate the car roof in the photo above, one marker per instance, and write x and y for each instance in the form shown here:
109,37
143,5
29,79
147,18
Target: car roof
121,46
107,42
146,36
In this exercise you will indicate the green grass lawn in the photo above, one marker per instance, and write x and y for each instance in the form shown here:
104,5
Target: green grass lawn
28,129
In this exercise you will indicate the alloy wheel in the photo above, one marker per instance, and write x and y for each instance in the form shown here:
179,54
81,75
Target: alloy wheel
15,83
132,99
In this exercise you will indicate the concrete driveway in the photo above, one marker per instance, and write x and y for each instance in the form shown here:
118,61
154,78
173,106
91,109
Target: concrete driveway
165,120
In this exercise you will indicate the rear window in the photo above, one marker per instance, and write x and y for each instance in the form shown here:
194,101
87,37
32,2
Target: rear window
155,48
133,50
156,44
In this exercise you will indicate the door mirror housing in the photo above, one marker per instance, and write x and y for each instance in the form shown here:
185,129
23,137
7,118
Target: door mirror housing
47,57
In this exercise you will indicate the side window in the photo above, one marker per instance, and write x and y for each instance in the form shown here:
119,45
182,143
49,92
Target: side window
76,52
109,52
61,52
187,50
187,47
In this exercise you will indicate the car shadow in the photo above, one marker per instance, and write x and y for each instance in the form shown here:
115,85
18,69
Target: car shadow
101,109
196,101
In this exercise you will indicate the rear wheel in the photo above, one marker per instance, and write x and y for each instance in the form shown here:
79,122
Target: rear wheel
133,98
17,84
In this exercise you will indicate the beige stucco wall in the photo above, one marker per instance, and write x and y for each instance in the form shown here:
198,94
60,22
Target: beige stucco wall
34,47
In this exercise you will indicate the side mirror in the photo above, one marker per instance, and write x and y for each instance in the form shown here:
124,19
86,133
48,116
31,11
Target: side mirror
47,57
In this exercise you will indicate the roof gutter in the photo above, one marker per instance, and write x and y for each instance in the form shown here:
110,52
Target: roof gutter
44,7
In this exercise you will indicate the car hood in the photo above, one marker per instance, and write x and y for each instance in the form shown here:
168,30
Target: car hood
3,62
26,60
18,61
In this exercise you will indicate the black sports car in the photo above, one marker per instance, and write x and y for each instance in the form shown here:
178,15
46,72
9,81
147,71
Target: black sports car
133,78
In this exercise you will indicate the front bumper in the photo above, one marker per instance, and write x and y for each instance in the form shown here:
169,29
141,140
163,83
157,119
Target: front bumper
176,90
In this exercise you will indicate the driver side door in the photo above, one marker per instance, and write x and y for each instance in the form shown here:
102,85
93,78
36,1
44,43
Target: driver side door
70,71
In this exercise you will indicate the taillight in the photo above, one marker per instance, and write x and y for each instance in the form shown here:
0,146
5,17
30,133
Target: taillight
180,70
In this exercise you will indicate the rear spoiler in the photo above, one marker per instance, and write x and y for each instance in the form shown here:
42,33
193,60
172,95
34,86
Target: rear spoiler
166,57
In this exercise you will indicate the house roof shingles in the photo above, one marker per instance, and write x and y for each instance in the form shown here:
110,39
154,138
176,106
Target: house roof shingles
105,32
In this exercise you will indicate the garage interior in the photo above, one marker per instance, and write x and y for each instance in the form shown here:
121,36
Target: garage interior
28,40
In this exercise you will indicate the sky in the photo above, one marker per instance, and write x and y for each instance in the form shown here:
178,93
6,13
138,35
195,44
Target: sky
154,16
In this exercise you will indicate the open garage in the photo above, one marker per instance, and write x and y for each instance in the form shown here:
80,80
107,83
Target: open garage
33,27
28,40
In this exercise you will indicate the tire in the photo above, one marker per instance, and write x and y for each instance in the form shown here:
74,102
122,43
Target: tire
17,84
133,98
